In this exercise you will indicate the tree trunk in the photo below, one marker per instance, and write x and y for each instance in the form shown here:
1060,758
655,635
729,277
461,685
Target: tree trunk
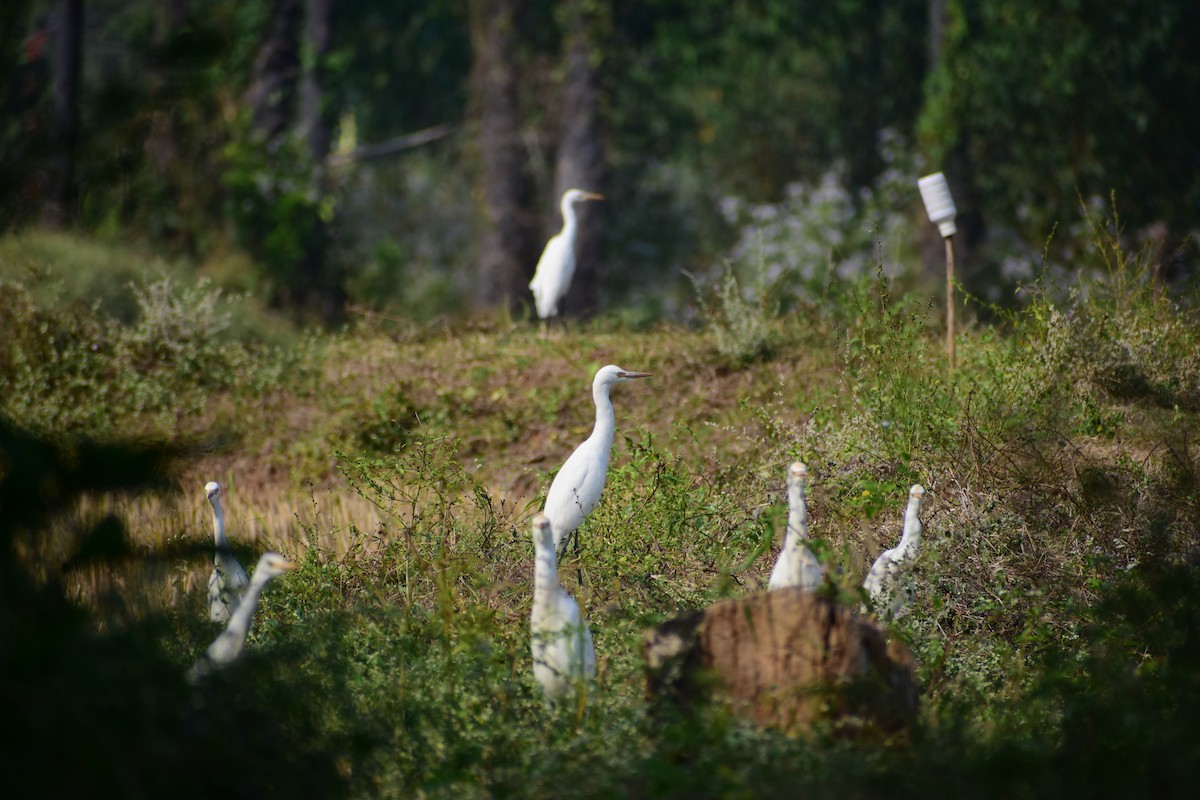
937,32
321,284
67,62
508,254
271,95
581,154
316,119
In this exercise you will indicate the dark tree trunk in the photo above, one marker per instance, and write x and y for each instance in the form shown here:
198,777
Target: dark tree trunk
581,154
937,32
271,95
316,119
508,256
67,60
321,285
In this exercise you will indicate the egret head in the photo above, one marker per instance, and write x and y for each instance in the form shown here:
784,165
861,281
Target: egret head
543,532
607,376
572,196
212,489
798,470
916,493
272,565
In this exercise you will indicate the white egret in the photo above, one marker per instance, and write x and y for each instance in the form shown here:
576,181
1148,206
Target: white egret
228,646
885,581
563,655
577,486
228,578
797,566
556,267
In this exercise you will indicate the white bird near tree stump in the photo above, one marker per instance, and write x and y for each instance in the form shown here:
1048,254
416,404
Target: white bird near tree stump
228,646
228,579
885,583
556,267
563,655
577,487
796,566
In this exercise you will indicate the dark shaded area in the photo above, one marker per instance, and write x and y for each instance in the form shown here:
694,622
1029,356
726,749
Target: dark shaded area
100,708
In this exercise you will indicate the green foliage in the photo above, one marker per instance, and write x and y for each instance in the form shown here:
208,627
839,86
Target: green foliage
740,319
76,370
1017,89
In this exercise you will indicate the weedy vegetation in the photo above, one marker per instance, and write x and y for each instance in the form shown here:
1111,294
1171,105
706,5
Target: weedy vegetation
1055,623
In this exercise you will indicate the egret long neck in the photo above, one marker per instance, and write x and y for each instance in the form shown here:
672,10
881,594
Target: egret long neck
568,215
605,420
797,514
219,525
239,623
545,571
910,542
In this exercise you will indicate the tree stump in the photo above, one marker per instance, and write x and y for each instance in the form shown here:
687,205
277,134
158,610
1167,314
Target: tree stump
786,658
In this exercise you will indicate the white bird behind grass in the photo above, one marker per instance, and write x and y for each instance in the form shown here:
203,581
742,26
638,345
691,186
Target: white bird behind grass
564,658
228,646
886,582
228,579
577,487
556,267
796,566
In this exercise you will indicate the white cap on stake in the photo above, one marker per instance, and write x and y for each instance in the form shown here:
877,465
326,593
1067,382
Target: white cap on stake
938,202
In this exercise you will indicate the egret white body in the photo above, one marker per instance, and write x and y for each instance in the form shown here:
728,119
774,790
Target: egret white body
797,566
563,655
228,646
228,579
577,487
885,583
556,267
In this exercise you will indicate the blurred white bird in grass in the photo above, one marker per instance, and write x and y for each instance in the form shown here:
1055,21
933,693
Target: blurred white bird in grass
886,583
796,566
228,579
564,658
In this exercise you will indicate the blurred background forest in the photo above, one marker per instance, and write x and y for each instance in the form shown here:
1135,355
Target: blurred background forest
406,157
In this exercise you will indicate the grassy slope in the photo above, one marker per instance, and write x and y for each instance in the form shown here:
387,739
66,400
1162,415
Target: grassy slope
403,468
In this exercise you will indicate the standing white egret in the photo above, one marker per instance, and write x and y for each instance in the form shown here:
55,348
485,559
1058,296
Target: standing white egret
556,267
797,566
228,646
577,486
885,581
228,578
563,655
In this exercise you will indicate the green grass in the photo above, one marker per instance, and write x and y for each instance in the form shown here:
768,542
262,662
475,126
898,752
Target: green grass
1055,619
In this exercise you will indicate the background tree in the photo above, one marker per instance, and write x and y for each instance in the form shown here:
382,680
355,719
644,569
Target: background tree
582,161
67,61
507,252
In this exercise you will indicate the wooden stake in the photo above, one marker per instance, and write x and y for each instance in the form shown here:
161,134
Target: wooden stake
950,300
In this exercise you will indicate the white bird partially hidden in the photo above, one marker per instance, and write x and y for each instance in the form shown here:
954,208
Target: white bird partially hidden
797,566
228,646
563,655
228,579
578,485
556,267
885,583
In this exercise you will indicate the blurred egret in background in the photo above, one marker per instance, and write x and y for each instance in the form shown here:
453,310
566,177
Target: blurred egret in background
556,267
